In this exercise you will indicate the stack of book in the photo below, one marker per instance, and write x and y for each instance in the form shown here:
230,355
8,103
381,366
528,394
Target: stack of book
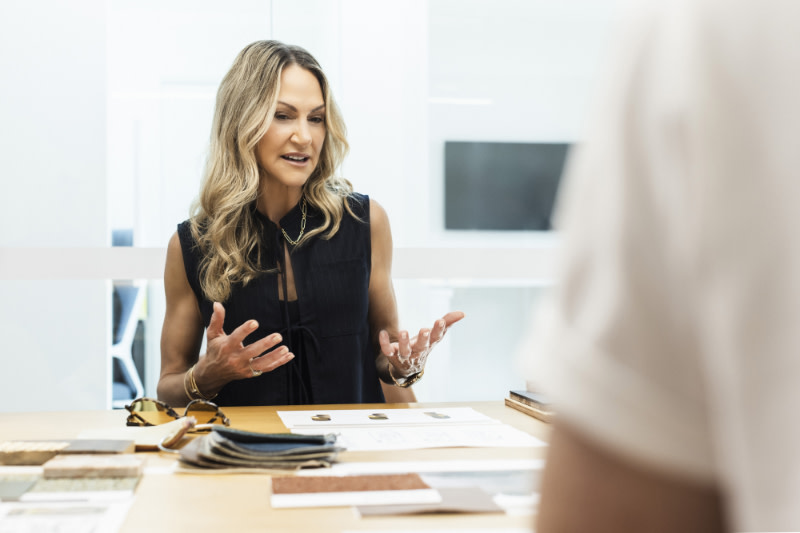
531,403
226,448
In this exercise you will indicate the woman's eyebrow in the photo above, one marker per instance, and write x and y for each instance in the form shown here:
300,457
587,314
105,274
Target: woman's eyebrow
293,108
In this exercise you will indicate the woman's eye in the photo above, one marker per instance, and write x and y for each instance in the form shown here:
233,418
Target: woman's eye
317,120
282,116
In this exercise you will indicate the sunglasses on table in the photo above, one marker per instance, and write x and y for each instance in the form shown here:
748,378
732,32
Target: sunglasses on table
151,412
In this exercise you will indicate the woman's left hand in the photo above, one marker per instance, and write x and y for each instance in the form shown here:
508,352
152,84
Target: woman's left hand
408,355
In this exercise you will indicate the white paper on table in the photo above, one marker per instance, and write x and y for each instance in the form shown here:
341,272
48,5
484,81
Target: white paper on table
411,437
55,517
518,495
346,499
420,467
383,417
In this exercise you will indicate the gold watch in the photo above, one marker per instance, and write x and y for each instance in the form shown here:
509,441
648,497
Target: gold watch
406,381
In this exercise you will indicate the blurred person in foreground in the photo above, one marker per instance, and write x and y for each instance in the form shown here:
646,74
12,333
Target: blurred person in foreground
285,268
671,346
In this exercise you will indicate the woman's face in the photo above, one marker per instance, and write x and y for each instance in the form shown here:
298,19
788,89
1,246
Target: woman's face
289,151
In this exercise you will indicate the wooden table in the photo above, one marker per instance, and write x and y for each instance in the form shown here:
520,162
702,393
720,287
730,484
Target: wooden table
226,503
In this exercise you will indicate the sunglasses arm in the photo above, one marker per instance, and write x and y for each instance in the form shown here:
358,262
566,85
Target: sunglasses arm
171,439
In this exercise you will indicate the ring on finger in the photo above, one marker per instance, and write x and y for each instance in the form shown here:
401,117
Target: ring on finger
255,372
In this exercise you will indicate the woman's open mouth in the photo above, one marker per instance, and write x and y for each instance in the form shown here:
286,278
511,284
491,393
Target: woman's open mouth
296,158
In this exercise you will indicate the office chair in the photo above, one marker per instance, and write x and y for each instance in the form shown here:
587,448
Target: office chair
127,383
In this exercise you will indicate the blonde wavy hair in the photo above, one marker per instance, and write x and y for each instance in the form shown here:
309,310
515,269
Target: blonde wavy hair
223,222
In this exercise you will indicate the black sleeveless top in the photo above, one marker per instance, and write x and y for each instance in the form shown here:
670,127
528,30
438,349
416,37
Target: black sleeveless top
326,327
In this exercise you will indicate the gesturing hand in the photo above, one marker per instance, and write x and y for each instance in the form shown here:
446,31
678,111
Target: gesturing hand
408,355
227,358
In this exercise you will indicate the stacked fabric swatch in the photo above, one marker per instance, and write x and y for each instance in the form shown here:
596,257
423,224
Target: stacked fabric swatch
226,448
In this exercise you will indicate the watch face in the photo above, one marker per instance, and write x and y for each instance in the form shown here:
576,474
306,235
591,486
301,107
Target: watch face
413,378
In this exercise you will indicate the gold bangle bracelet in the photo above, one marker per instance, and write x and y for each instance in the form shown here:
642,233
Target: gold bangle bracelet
194,388
185,388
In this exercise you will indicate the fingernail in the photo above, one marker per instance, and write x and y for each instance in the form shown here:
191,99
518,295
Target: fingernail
404,335
253,324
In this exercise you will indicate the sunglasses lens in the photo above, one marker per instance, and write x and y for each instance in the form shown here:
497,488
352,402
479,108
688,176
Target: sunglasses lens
151,412
204,413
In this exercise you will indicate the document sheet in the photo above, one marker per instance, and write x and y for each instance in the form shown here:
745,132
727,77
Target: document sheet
403,429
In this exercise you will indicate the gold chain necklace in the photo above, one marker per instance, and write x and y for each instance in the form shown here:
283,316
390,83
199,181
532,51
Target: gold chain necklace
302,227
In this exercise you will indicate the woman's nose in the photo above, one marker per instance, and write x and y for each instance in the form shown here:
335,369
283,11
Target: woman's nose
302,134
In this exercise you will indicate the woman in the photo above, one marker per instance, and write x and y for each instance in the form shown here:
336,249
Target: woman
284,266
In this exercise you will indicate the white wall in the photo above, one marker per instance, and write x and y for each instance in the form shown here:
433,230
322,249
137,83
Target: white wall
52,166
166,60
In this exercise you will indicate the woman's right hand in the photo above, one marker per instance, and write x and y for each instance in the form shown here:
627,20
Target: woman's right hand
228,359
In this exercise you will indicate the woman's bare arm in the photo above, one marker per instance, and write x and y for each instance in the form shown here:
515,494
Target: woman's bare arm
393,346
182,333
382,300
